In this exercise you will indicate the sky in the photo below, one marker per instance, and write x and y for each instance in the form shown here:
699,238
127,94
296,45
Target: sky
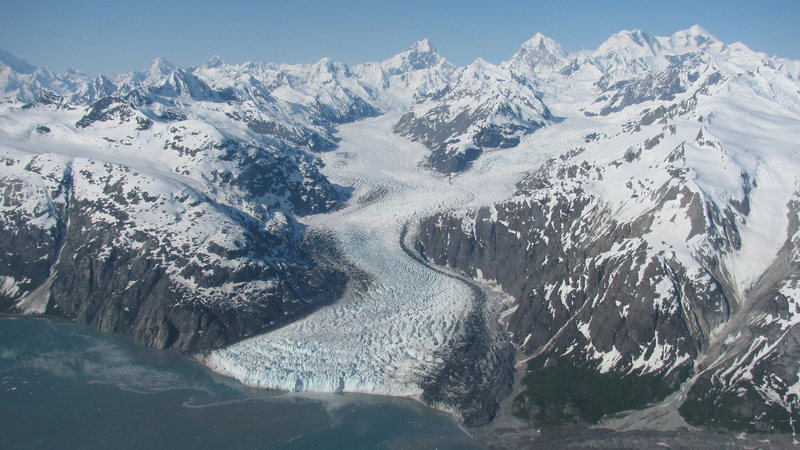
114,36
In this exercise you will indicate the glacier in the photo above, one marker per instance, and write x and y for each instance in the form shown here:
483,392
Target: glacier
382,336
385,335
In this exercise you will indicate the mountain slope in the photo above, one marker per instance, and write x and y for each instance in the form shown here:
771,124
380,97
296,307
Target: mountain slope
177,232
484,107
650,256
172,194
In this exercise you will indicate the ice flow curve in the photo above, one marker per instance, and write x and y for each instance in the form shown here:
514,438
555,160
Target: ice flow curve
381,337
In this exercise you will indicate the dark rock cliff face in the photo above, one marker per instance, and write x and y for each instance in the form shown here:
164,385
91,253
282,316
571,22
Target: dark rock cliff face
483,108
611,317
437,132
749,381
589,320
128,253
113,109
663,86
137,291
443,135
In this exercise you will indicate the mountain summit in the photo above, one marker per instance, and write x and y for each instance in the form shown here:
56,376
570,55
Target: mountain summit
695,37
419,56
539,52
16,64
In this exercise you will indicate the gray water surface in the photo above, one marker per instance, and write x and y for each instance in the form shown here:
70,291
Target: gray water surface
64,385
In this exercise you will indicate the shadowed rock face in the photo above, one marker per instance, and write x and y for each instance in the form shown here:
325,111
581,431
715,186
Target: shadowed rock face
576,305
442,137
474,389
484,108
105,245
168,298
436,134
113,109
609,324
749,382
663,85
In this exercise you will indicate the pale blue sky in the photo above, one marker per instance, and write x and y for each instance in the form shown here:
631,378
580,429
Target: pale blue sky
115,36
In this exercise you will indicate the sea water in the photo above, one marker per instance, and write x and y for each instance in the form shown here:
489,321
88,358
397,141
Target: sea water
65,385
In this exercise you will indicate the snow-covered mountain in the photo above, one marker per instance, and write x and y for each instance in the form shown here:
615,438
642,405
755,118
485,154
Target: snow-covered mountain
413,75
660,252
483,107
538,54
637,203
180,233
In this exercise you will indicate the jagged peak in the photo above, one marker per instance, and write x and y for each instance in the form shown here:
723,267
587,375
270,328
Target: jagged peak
739,47
636,40
697,30
479,68
73,72
329,65
16,64
422,46
480,63
539,50
328,69
160,62
160,67
215,61
420,55
694,37
543,43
